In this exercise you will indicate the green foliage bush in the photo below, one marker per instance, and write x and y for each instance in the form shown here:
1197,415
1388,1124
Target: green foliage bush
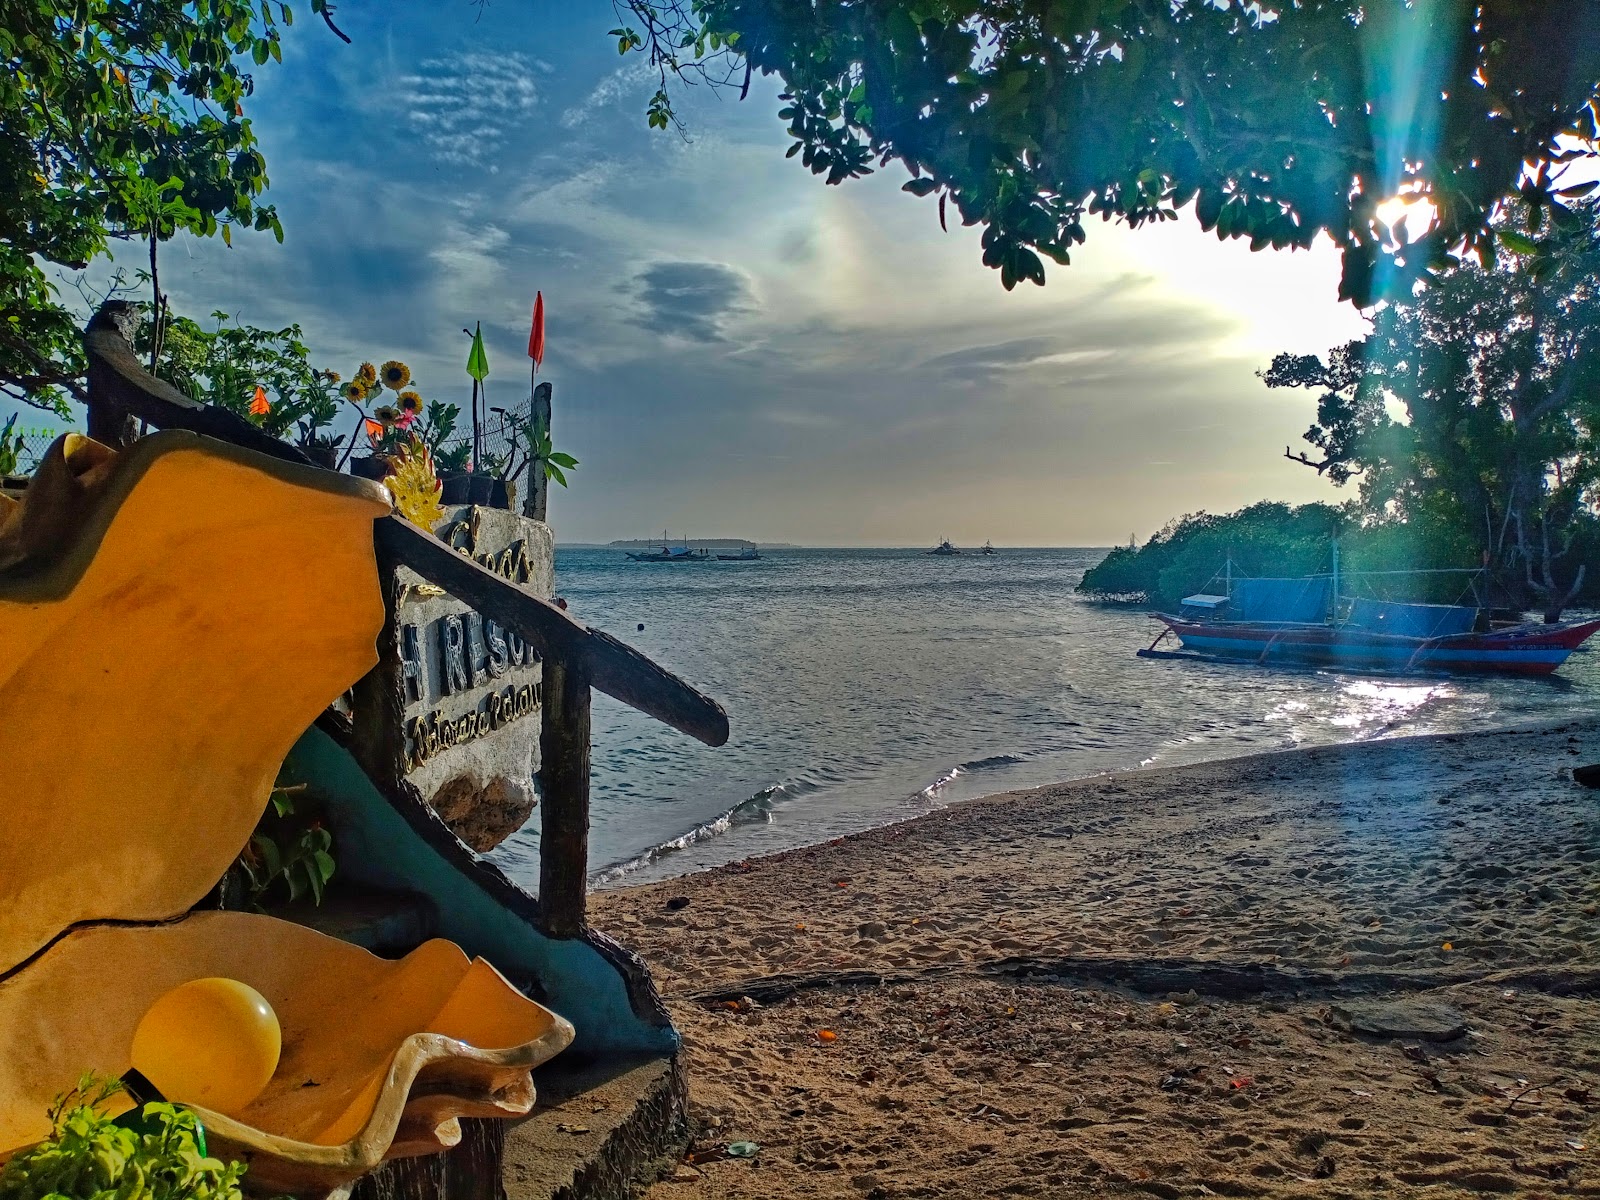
1273,539
88,1156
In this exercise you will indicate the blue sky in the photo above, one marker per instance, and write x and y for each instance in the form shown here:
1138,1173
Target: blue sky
737,349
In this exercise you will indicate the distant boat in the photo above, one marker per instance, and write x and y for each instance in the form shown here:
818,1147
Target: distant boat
748,554
1310,622
671,553
988,548
944,548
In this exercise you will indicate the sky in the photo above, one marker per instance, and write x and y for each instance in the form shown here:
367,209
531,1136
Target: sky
737,349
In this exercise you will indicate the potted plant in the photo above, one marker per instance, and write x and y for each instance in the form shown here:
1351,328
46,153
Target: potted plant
388,425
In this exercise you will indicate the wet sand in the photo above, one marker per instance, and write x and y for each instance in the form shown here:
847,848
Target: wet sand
1141,984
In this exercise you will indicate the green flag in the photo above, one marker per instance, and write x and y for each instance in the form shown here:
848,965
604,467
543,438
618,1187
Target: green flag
477,360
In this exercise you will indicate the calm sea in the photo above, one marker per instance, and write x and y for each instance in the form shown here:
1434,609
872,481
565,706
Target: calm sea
865,686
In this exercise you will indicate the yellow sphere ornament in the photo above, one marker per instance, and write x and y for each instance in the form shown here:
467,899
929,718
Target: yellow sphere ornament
209,1042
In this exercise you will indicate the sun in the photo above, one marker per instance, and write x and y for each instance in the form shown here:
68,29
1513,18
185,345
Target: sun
1416,210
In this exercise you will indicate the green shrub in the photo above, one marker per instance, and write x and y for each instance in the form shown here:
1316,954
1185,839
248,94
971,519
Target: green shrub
88,1156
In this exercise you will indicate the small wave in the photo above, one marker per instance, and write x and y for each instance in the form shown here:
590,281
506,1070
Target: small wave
932,791
753,811
993,762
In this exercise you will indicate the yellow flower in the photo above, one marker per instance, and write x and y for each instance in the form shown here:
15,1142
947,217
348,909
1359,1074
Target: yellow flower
354,392
386,414
395,375
367,373
331,376
410,402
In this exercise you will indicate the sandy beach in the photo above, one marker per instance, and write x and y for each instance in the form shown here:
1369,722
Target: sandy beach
1160,982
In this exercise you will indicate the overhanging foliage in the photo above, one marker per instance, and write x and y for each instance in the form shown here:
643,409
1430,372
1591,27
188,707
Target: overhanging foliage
1278,119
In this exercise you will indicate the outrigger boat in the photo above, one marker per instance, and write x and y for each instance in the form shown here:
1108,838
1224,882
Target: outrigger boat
1307,621
671,553
986,548
748,554
944,549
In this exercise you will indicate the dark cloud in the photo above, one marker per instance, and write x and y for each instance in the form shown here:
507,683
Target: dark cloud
691,299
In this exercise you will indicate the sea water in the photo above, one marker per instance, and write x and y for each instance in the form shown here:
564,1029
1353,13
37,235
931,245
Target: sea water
867,686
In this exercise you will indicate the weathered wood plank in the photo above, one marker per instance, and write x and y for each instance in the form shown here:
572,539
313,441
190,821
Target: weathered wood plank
564,806
614,667
538,503
121,390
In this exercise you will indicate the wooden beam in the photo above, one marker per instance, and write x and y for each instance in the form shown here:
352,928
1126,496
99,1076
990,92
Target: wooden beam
537,505
564,798
121,390
614,667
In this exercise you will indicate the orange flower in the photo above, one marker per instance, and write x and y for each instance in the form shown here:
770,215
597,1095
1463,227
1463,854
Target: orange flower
374,429
259,407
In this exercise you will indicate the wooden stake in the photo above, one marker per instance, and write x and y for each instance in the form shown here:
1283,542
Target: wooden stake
564,805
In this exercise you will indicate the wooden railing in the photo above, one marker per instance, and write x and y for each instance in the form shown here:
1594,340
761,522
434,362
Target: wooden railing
575,657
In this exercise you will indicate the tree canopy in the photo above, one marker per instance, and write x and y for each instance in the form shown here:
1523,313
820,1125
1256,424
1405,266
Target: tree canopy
1475,406
1278,119
119,119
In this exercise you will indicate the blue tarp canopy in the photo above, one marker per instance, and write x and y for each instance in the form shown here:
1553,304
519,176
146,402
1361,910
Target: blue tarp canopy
1412,620
1303,601
1204,601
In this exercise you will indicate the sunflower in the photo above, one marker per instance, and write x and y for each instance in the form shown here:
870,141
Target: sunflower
386,414
395,375
410,402
367,374
354,392
331,376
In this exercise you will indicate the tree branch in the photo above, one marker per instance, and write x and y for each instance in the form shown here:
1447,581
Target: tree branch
1318,467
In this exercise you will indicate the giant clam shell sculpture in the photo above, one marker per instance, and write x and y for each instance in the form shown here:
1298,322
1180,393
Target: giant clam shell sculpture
172,618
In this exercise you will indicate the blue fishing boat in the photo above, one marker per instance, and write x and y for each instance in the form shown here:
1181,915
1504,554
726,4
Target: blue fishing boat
1308,621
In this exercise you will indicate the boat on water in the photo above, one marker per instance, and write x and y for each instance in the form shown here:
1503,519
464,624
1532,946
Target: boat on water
987,548
671,554
681,553
944,548
748,554
1308,621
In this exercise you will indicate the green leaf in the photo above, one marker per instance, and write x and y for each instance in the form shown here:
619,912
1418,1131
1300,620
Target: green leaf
920,187
1517,243
267,850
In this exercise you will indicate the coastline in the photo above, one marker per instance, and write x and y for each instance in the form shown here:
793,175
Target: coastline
1459,867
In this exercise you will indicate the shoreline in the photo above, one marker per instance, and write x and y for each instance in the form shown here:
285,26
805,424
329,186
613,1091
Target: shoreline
1042,953
619,876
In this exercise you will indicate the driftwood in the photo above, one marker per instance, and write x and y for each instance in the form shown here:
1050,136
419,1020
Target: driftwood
614,667
122,391
1227,980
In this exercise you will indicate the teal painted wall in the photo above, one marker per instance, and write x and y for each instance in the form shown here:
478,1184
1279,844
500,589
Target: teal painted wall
376,846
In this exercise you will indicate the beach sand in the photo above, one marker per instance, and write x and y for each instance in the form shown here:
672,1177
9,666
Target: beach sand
1144,984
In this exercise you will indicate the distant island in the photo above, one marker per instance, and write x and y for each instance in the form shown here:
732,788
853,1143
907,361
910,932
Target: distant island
709,543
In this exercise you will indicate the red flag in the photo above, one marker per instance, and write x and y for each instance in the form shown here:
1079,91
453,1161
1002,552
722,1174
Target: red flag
536,338
259,407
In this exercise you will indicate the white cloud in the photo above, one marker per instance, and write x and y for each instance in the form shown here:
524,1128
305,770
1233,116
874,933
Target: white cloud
625,79
463,105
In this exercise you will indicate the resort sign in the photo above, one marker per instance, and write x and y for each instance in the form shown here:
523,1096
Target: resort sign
468,686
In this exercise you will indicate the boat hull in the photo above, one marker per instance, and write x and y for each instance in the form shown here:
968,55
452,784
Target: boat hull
1523,650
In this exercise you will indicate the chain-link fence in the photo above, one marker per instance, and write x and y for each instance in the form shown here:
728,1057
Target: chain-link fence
498,433
31,445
